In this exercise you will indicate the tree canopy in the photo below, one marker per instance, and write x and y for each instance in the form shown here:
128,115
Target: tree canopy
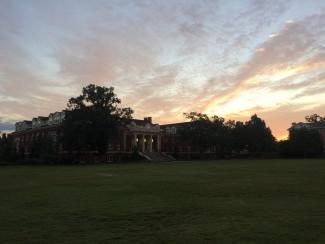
199,132
259,136
305,143
7,148
315,118
93,118
228,136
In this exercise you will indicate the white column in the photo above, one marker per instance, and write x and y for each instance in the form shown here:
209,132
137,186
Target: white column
158,143
150,143
134,142
143,145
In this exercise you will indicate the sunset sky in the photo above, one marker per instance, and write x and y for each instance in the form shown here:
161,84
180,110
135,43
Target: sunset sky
229,58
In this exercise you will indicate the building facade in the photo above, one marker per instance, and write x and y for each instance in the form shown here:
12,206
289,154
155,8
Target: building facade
151,141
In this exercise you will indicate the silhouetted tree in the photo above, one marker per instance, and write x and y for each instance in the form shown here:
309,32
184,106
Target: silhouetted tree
228,136
304,143
221,136
199,133
315,118
92,119
7,148
285,149
259,137
238,135
2,150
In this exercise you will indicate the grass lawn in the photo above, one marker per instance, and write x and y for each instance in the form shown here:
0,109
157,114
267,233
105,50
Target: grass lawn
238,201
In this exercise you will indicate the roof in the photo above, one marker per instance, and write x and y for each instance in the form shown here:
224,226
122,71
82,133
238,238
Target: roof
25,121
141,122
31,130
317,125
180,124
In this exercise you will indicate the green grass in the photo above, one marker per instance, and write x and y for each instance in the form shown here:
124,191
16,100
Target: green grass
258,201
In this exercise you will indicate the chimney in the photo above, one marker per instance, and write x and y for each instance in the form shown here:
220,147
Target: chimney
148,119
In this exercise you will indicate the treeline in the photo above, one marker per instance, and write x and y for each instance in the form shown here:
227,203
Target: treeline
302,143
93,118
251,138
8,152
43,150
229,138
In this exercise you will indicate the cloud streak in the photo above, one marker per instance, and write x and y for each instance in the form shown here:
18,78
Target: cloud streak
165,57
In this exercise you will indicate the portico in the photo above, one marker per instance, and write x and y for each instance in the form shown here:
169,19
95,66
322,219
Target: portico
143,138
146,143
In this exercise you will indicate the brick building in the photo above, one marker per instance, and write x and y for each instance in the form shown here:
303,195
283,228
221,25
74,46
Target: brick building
151,141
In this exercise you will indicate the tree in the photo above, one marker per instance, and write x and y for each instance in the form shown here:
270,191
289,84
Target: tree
238,135
221,135
315,118
259,137
7,148
204,132
285,149
199,131
93,118
305,143
2,153
228,136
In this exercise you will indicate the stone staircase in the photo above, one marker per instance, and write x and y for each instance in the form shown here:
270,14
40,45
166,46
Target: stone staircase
157,156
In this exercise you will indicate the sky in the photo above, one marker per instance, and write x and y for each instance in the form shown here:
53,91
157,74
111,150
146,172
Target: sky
226,58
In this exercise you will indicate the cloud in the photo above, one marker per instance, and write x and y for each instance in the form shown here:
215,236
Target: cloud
294,53
163,57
